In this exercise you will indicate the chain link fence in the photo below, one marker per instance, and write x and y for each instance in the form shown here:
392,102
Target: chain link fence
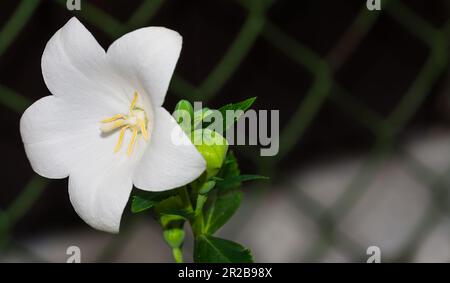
323,88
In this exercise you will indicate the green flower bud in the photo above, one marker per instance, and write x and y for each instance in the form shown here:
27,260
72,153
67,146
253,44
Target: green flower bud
199,116
174,237
206,187
213,147
184,115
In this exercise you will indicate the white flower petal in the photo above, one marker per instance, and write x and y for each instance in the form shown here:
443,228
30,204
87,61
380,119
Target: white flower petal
64,139
99,188
74,65
53,130
165,164
147,58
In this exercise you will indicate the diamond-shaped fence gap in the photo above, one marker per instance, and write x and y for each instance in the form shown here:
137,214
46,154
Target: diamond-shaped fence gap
344,134
437,187
275,76
409,202
363,73
361,114
312,191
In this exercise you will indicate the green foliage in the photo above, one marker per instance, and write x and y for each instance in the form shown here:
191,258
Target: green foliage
201,200
211,249
207,203
230,167
184,115
143,200
240,106
200,116
168,220
206,187
230,176
221,210
236,181
238,109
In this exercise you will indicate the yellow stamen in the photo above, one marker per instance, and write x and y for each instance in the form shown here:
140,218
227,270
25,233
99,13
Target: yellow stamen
143,130
132,142
136,121
111,126
119,142
133,102
114,118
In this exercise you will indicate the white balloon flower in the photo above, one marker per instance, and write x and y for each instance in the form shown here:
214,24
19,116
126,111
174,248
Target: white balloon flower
104,126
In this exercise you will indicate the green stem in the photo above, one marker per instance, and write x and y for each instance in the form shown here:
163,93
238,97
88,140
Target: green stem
177,255
198,224
185,198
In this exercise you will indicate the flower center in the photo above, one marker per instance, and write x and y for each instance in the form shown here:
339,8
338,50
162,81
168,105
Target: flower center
136,121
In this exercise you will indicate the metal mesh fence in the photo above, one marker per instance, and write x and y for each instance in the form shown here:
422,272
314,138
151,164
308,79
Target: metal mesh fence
324,88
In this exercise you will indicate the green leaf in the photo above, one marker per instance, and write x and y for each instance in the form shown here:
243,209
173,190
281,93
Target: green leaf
209,249
173,209
182,213
235,181
230,176
221,210
243,106
230,167
142,201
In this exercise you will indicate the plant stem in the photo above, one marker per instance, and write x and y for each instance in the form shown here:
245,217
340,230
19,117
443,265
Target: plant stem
185,198
177,255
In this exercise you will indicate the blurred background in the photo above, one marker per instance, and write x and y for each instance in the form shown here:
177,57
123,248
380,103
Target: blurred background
364,117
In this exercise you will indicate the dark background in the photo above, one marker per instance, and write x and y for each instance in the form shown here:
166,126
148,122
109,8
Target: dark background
377,60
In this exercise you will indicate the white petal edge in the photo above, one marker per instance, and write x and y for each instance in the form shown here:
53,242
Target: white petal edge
168,164
74,64
55,133
100,185
147,57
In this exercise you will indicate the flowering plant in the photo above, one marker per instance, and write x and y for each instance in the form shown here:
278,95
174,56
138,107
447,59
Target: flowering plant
104,127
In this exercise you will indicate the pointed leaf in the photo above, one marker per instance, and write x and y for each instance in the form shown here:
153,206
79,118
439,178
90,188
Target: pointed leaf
209,249
221,210
235,181
143,200
243,106
230,167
